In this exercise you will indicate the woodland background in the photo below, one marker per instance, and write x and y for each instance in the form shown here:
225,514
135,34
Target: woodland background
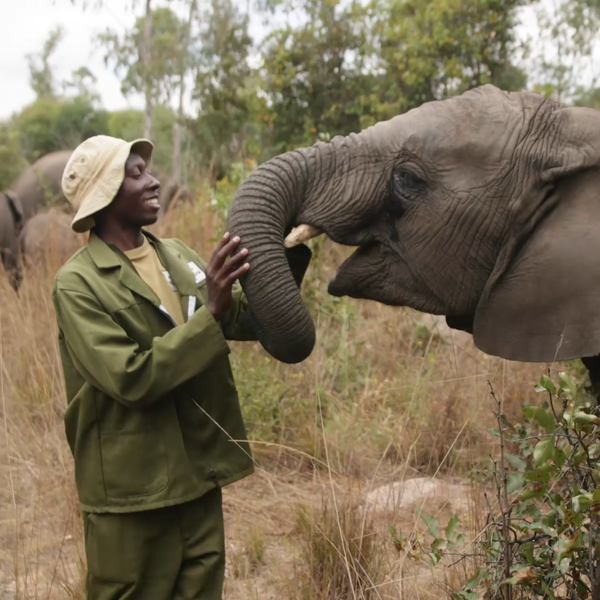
392,413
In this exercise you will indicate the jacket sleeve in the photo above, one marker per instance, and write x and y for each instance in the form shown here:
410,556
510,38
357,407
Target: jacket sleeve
110,360
238,325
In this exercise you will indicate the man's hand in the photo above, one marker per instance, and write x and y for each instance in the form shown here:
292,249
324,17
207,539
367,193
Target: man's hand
221,274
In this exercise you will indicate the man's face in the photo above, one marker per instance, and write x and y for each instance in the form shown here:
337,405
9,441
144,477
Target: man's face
136,202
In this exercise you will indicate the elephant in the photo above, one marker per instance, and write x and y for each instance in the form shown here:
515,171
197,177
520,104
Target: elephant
483,207
49,234
39,185
171,193
11,221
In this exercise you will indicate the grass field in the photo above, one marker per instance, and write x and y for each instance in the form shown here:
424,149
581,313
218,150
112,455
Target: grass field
383,399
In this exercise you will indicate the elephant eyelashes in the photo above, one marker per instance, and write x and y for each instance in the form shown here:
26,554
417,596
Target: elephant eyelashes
405,187
407,182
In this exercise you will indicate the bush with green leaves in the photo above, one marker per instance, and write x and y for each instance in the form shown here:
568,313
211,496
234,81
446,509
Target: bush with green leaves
542,538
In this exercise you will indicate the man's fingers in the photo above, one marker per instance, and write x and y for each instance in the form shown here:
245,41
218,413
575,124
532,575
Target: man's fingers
238,273
235,261
225,247
229,247
214,259
224,240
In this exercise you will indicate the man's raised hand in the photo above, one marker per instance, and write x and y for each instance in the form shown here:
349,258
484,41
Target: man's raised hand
221,274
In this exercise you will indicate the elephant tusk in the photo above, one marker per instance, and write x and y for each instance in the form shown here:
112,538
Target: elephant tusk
301,234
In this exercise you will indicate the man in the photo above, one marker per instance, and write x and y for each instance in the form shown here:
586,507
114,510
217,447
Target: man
153,417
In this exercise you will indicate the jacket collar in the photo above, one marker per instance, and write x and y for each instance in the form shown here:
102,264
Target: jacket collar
108,256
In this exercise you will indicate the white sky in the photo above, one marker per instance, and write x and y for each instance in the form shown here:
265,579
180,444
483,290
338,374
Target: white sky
24,26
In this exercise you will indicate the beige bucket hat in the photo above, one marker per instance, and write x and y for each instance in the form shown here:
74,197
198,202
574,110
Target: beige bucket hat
95,173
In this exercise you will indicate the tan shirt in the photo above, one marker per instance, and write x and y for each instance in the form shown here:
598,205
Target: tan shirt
146,263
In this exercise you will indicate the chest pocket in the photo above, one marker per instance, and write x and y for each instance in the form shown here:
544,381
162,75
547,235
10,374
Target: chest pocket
201,289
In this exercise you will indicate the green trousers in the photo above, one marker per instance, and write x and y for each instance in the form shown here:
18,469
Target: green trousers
174,553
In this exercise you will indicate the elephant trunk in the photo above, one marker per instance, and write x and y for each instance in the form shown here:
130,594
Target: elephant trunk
289,190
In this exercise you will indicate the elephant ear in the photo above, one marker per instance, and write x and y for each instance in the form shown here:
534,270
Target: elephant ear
542,301
16,209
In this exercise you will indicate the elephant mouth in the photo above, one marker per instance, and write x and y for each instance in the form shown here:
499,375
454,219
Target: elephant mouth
358,276
337,287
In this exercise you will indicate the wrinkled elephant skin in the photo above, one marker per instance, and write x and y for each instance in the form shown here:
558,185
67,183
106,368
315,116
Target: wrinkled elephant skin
38,191
482,207
48,236
11,219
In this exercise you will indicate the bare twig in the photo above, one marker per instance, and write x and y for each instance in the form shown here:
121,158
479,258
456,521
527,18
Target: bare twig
506,508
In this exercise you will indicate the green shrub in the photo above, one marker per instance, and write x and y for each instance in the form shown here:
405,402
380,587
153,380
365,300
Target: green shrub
542,538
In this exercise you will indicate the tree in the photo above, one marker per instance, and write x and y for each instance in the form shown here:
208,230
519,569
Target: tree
431,49
346,65
129,124
51,124
222,85
147,69
82,82
153,72
184,65
12,161
55,121
568,30
313,73
41,77
589,98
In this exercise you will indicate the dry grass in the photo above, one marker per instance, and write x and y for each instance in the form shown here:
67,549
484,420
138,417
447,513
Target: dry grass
380,400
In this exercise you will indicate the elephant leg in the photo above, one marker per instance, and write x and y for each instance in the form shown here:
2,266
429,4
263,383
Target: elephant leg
10,260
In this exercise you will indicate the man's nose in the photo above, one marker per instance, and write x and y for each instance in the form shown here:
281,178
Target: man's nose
154,183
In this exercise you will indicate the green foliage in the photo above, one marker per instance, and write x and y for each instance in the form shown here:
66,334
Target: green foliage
324,68
129,124
12,160
125,54
347,65
544,538
224,89
590,98
222,193
50,124
570,28
41,76
313,74
430,50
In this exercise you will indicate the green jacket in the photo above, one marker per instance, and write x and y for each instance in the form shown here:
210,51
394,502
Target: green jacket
153,416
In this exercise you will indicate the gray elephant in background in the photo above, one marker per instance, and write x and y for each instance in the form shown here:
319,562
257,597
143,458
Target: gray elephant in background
171,193
37,189
11,223
484,207
48,236
39,186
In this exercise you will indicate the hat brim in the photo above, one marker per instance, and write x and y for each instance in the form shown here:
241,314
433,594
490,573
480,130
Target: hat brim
108,182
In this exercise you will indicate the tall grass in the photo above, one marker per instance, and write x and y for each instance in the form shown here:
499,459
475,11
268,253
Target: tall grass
381,399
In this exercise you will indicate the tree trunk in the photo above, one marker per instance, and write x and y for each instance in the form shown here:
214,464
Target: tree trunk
147,68
176,162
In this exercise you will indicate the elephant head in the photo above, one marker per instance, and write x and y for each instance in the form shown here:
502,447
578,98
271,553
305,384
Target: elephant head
11,223
484,207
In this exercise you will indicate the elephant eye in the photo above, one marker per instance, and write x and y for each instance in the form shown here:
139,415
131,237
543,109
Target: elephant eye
406,182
